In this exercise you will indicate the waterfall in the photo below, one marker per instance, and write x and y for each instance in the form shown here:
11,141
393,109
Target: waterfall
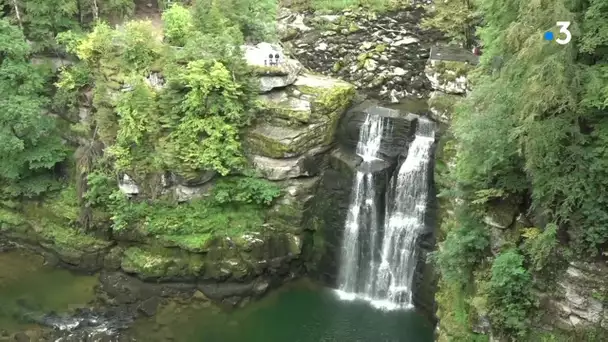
385,278
362,210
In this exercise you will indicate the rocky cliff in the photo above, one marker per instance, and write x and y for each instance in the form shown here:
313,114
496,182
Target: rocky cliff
288,144
569,300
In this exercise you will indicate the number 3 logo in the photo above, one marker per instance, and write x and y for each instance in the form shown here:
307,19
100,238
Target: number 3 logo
563,28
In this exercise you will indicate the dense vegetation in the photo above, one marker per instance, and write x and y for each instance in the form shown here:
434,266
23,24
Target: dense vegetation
532,134
154,102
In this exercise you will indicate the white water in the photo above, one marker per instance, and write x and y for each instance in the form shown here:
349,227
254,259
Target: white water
385,277
362,210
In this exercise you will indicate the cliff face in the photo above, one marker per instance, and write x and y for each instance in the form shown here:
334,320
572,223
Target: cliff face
569,297
288,144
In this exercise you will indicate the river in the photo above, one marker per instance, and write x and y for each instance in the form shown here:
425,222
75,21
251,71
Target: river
298,312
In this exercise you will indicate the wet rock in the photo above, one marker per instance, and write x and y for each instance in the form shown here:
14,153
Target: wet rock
149,306
398,129
219,291
447,69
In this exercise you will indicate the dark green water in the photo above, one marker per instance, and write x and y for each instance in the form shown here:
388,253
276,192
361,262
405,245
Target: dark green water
27,285
297,313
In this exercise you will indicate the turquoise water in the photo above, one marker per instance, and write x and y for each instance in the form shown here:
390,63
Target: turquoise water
297,313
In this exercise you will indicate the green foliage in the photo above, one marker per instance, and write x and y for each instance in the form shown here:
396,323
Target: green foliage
255,19
177,24
455,18
29,144
547,132
43,19
139,125
542,247
509,294
206,120
464,247
188,223
245,190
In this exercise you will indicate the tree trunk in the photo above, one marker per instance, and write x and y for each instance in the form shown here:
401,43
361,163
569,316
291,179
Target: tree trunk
18,14
95,11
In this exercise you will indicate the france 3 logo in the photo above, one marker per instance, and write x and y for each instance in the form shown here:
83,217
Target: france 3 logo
563,30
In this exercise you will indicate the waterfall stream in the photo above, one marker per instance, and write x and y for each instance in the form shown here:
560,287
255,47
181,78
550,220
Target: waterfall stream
378,261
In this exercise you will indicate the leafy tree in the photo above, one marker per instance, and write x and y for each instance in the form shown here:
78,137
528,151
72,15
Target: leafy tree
255,19
455,18
30,146
463,248
177,24
207,118
509,294
542,117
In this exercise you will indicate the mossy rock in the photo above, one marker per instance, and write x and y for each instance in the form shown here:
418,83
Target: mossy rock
49,227
329,98
288,109
161,263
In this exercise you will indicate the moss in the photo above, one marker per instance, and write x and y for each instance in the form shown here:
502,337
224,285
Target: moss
286,216
449,71
268,71
161,263
362,58
338,66
352,27
191,242
192,226
380,48
333,103
444,103
290,34
52,225
285,110
260,144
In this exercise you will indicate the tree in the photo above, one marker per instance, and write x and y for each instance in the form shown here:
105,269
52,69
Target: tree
29,143
455,18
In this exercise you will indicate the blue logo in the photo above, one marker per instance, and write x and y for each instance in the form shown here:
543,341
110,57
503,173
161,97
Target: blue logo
548,35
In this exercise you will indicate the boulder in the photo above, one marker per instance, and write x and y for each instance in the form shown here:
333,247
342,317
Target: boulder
441,106
128,186
447,69
306,165
275,137
272,73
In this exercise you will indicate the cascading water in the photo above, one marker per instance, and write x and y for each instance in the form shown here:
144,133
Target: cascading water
385,280
362,210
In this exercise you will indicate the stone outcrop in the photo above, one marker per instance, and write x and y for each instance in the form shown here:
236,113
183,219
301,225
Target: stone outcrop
302,117
382,55
270,76
581,299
